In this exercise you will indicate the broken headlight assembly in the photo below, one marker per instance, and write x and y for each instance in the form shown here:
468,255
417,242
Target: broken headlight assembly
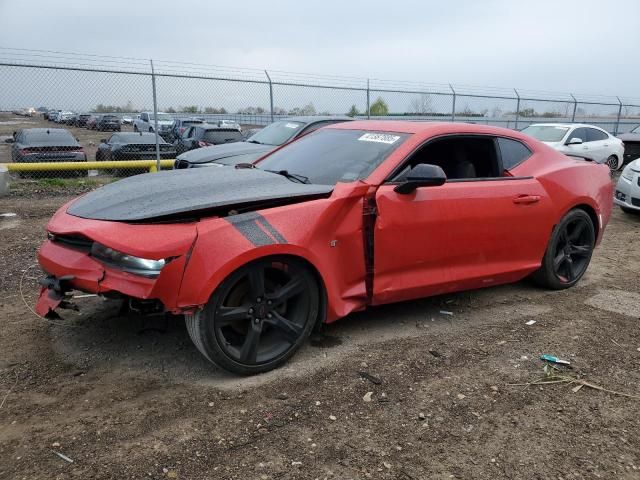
128,263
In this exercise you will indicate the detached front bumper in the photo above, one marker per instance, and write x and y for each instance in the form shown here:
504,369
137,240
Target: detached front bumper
74,269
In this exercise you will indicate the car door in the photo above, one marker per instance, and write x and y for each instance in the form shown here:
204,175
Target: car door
599,145
577,148
467,233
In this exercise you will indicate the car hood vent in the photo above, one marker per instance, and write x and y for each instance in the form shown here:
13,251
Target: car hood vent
169,194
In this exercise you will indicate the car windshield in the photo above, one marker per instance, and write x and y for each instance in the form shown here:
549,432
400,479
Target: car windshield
334,155
277,133
110,117
221,136
546,133
162,117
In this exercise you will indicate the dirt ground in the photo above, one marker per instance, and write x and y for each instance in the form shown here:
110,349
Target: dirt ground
131,398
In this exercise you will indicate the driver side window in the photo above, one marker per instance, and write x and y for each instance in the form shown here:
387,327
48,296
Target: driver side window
461,158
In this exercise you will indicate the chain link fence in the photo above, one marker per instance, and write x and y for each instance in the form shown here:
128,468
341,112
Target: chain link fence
120,89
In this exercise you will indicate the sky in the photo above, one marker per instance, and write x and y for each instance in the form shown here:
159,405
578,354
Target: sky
582,46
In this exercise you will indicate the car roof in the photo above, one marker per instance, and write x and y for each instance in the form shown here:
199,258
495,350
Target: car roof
426,128
318,118
565,125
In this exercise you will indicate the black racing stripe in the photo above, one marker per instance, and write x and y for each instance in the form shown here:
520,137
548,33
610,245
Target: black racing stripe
271,229
246,224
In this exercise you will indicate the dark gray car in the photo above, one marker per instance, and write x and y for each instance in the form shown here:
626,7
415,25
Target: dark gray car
631,142
46,145
258,145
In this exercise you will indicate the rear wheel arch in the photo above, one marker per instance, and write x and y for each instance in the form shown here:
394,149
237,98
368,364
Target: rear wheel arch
592,214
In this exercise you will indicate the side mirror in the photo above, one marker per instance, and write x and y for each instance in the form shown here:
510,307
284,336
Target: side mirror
574,141
9,140
103,140
422,175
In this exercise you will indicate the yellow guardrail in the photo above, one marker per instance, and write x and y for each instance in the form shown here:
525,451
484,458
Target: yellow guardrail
52,166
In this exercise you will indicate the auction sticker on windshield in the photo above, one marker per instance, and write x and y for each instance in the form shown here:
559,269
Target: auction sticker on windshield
379,137
292,125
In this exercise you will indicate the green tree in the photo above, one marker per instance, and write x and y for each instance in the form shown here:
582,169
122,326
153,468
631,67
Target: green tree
379,108
190,109
353,111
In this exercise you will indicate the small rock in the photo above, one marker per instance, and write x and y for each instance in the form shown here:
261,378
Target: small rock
494,388
296,464
387,465
461,396
243,411
332,418
367,397
317,404
165,470
364,365
502,342
172,474
55,444
421,416
282,396
211,404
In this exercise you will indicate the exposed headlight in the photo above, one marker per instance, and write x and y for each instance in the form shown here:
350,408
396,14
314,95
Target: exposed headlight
127,263
628,173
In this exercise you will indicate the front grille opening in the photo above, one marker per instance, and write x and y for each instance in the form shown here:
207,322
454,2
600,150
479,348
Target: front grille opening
79,242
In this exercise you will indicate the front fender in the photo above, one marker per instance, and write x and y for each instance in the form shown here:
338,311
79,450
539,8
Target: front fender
326,233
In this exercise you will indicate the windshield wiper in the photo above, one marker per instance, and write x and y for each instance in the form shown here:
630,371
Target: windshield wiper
254,141
291,176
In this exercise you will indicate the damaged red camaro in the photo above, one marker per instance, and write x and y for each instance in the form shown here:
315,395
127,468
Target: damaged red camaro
356,214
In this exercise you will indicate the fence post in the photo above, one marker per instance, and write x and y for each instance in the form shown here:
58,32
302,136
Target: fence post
615,132
453,107
155,114
517,108
368,101
270,94
575,106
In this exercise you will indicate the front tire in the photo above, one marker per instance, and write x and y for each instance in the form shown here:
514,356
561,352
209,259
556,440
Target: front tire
258,317
568,253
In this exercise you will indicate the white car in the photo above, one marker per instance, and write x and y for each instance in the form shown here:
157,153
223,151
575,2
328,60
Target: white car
627,195
145,122
580,140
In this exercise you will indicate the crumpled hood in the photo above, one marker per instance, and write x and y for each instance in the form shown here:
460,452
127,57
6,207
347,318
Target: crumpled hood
170,193
219,152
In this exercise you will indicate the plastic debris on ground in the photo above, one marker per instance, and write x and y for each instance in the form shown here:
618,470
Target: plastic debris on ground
555,360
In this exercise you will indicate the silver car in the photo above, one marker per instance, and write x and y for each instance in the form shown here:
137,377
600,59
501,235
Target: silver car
627,195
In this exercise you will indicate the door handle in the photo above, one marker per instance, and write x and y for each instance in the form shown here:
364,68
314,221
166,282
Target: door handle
526,199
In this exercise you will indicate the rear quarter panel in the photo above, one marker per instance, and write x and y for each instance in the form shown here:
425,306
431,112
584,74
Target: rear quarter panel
572,182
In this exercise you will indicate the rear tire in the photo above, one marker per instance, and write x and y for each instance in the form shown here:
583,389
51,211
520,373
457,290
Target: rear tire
612,163
568,253
258,317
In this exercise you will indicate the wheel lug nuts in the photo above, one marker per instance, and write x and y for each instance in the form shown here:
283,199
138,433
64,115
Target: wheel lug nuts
259,299
257,320
269,302
269,315
251,310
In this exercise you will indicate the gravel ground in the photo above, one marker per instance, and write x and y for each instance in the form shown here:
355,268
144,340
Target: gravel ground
450,395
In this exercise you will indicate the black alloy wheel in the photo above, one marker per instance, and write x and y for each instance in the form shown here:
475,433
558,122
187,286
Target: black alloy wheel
259,316
569,251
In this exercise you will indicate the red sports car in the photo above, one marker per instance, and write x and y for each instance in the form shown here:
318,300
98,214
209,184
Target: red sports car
356,214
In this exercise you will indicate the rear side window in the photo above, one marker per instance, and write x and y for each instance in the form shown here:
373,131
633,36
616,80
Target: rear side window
593,135
512,152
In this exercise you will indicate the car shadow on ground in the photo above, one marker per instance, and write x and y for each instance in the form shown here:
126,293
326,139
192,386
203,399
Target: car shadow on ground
99,337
